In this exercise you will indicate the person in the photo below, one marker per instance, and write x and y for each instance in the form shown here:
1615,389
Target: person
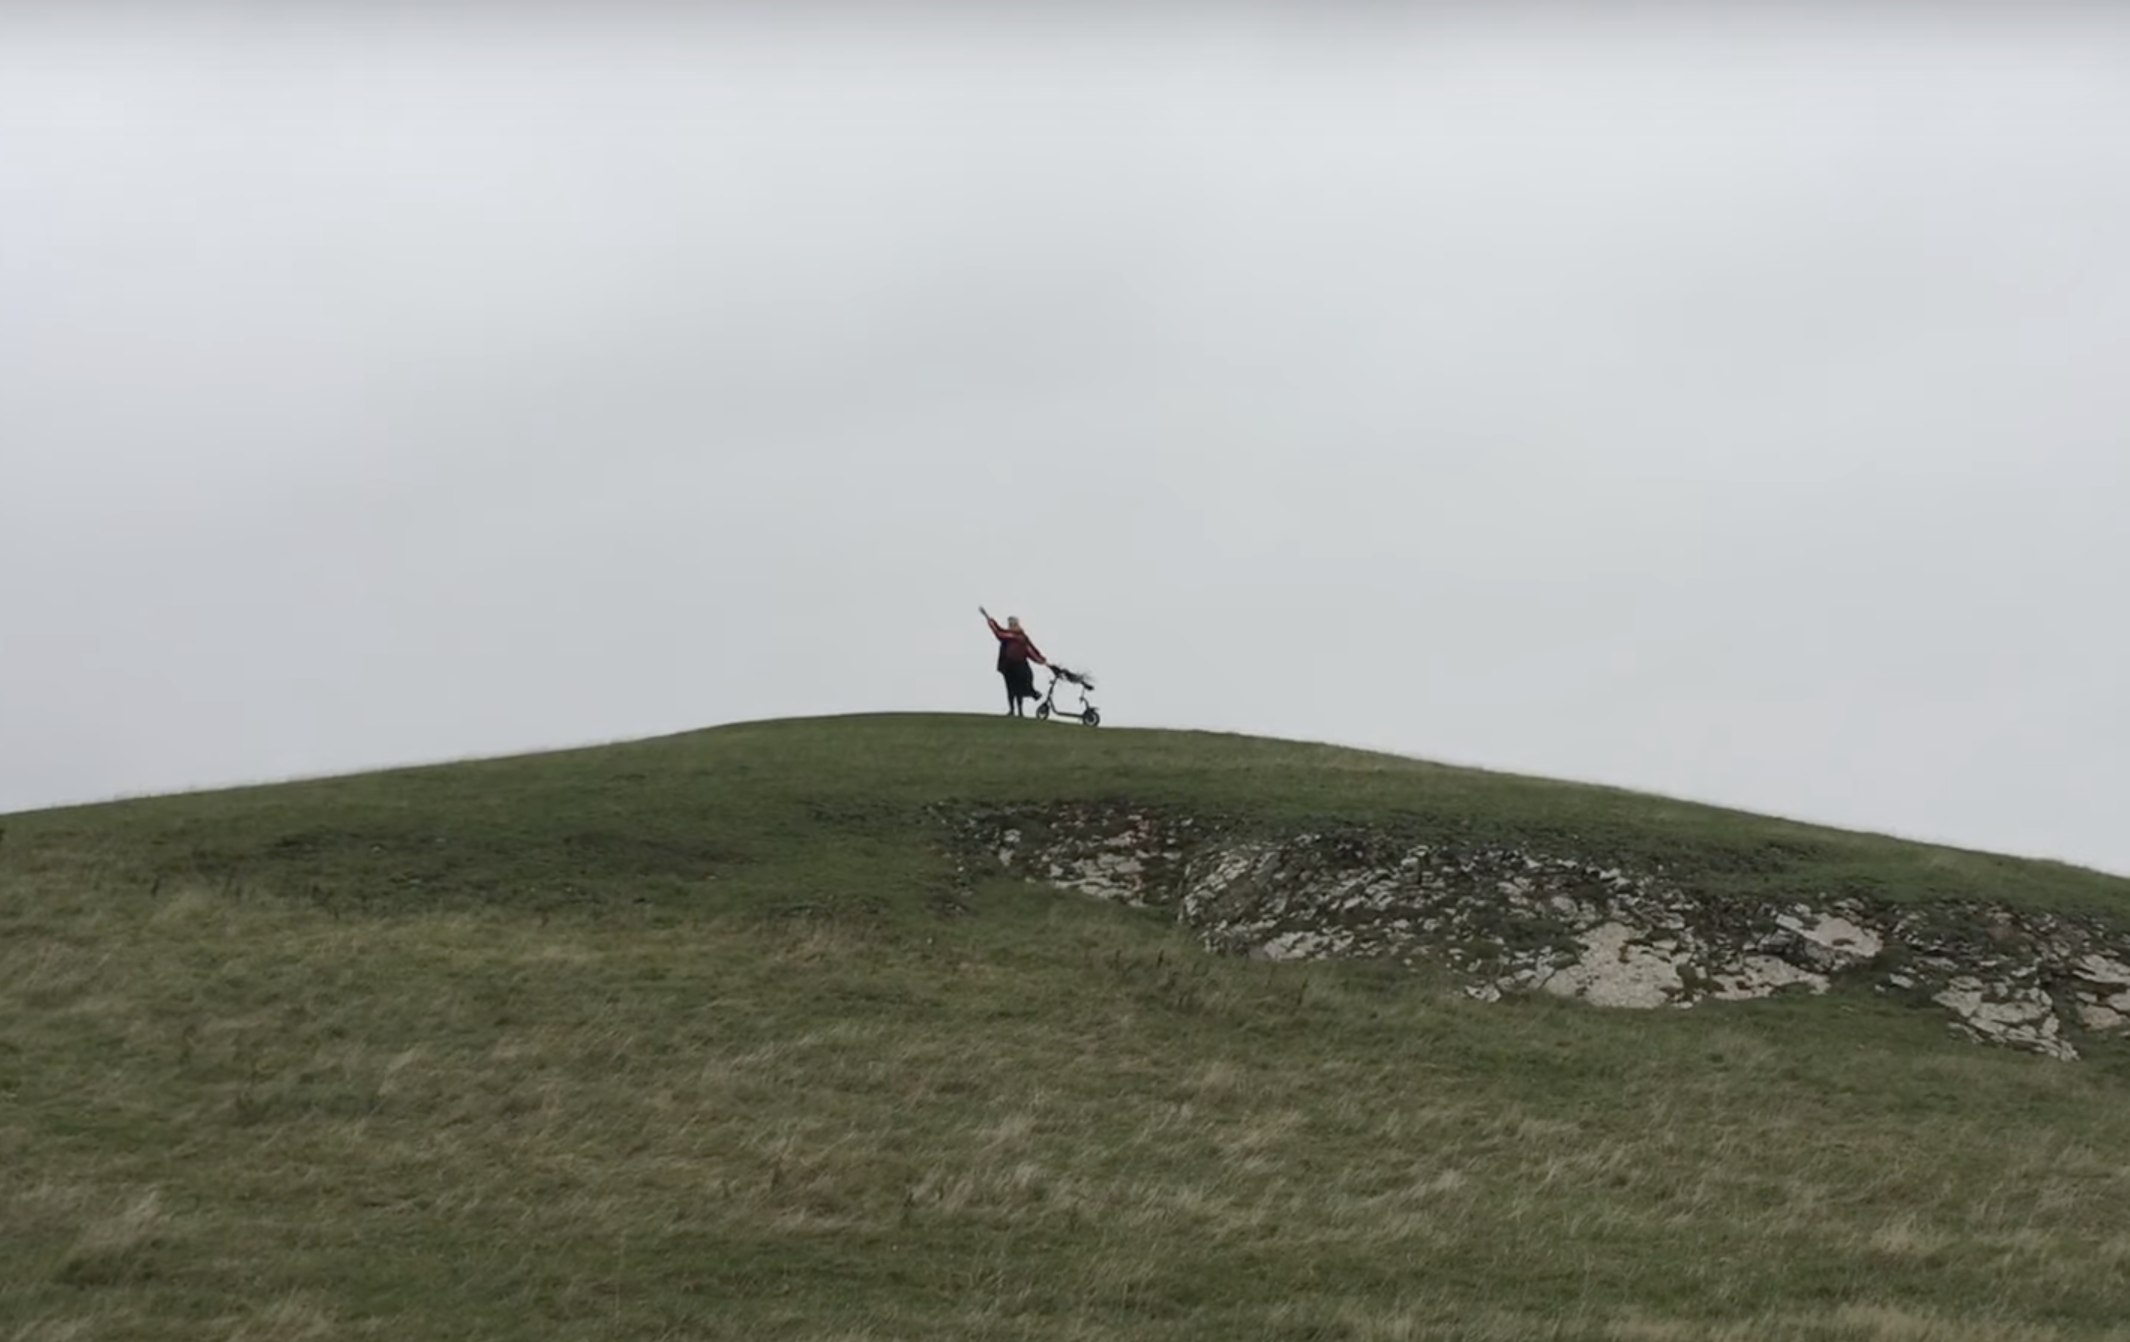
1017,658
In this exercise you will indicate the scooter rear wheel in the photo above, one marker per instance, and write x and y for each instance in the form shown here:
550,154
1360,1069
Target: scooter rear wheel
1092,717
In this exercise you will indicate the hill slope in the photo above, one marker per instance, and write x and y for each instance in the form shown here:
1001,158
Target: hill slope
731,1035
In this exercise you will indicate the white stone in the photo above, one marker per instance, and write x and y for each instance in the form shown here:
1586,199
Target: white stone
1616,972
1760,976
1295,946
2020,1017
2103,970
1848,942
2101,1018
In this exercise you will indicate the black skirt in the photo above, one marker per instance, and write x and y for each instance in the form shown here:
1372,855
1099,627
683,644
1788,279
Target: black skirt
1020,678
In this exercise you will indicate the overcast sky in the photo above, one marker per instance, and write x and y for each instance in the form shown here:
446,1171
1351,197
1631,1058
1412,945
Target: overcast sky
1739,411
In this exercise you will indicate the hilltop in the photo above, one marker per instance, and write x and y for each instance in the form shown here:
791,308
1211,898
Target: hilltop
917,1026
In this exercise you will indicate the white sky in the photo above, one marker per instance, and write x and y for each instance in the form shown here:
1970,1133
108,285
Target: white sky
1736,411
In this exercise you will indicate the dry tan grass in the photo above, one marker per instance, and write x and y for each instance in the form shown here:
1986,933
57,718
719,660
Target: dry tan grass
1849,1323
293,1318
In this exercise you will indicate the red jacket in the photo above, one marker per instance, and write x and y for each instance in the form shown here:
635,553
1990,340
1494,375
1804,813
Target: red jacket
1014,645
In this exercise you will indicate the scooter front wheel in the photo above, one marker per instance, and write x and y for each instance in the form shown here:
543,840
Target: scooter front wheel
1042,712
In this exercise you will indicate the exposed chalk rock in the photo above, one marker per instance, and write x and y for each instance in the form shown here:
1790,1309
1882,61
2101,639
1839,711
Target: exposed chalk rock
2096,1017
2022,1017
1763,976
1510,921
1617,971
1841,941
2103,970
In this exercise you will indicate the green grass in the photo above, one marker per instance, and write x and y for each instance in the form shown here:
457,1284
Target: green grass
701,1038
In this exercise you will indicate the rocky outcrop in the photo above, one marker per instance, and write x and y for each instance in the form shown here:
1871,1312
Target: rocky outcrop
1507,921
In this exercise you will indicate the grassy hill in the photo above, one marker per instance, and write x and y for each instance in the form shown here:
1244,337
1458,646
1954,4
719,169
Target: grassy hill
705,1037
